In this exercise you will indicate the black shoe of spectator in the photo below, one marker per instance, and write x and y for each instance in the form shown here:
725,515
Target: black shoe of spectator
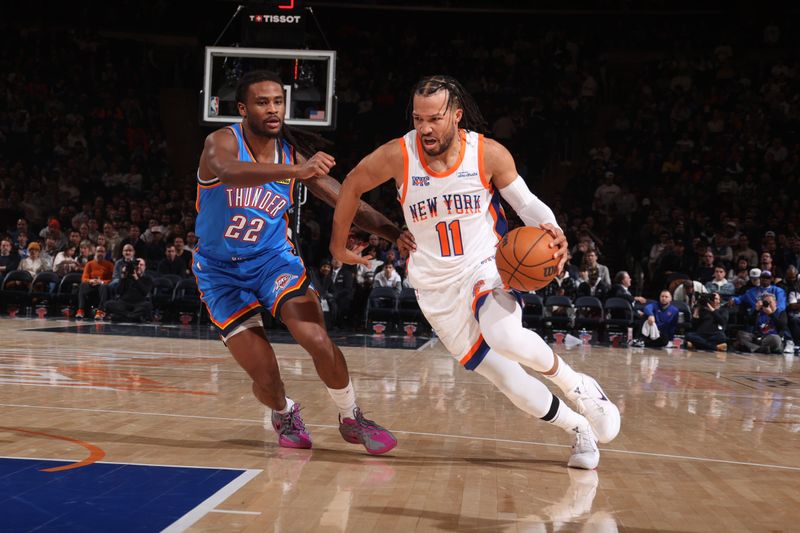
637,343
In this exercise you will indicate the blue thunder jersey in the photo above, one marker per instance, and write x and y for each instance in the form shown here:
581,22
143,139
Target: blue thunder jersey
236,223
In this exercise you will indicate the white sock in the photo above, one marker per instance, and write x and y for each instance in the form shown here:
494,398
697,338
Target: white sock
289,405
565,378
345,399
564,416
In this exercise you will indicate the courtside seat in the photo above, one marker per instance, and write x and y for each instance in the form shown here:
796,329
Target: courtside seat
558,312
589,313
382,306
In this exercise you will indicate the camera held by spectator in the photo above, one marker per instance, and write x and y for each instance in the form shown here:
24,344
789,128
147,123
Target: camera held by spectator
768,327
709,320
130,267
704,301
133,303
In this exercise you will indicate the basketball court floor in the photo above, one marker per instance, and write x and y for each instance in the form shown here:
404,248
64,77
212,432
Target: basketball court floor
143,428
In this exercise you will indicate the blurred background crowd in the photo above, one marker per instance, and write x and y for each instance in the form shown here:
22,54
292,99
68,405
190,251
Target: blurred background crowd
667,144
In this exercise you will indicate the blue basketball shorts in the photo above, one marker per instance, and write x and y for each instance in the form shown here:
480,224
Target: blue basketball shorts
235,291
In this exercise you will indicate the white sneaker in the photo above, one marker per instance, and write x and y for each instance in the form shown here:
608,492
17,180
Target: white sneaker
584,449
788,347
593,403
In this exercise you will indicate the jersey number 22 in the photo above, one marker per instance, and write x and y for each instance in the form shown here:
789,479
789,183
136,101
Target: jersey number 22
234,231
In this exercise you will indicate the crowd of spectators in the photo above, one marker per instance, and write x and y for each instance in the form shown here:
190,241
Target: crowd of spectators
84,181
693,189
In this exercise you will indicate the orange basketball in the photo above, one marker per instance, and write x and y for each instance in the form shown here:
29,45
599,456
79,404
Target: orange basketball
525,260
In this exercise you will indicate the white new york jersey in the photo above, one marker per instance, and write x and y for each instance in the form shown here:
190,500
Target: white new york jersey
455,216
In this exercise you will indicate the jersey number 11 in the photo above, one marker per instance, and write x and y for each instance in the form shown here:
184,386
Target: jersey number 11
450,233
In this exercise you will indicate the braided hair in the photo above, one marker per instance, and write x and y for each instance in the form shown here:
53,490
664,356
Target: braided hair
457,97
305,142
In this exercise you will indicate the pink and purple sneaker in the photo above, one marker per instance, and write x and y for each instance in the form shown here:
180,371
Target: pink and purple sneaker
358,430
290,429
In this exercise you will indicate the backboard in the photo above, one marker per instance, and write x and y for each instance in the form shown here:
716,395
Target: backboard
309,79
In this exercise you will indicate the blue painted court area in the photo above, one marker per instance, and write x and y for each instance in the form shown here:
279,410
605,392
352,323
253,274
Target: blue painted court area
104,496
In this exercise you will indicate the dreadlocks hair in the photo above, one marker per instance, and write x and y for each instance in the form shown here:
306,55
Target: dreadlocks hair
457,96
305,142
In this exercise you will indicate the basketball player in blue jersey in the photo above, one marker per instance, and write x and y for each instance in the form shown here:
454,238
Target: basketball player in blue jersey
245,263
449,180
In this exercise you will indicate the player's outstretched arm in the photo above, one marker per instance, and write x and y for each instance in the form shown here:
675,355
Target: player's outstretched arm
503,173
328,190
221,159
378,167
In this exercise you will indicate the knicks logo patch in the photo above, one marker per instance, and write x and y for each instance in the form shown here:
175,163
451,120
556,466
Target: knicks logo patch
420,181
477,287
283,281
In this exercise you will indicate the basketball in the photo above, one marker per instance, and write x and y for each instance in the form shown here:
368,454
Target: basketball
525,260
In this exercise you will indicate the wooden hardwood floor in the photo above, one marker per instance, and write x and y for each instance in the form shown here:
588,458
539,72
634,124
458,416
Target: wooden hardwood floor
709,442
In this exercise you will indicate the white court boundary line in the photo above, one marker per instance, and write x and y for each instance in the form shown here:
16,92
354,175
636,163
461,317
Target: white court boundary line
421,433
226,511
206,506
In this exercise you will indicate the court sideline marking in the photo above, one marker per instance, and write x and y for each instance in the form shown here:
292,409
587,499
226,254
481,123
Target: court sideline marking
425,434
209,505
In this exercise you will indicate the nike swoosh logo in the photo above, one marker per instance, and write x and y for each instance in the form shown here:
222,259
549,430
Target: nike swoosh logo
602,396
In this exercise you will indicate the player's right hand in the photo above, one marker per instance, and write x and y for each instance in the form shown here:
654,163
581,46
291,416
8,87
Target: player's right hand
350,257
317,165
559,242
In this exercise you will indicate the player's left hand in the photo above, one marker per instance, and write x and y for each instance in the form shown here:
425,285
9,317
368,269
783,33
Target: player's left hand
559,242
406,243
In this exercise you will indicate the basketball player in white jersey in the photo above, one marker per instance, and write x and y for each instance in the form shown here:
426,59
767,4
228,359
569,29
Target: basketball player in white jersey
449,181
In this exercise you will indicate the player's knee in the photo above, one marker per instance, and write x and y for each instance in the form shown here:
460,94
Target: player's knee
314,339
499,338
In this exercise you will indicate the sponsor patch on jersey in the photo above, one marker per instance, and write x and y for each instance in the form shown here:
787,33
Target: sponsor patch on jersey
465,174
283,281
420,181
284,182
477,287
